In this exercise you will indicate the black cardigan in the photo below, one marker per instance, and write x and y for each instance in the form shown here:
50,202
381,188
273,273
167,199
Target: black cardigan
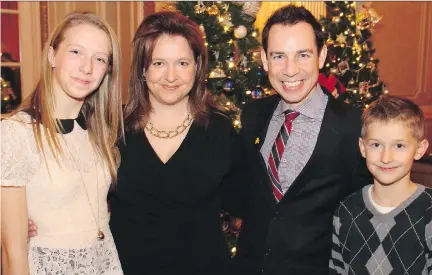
165,218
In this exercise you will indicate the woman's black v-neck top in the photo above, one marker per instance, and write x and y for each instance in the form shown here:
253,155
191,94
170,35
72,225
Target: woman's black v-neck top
165,218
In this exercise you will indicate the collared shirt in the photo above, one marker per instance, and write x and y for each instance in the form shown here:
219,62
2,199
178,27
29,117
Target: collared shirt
303,137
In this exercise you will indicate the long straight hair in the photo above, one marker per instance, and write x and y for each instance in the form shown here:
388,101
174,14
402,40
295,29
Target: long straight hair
102,109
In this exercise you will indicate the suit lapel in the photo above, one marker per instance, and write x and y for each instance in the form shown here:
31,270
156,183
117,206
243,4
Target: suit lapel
264,116
329,136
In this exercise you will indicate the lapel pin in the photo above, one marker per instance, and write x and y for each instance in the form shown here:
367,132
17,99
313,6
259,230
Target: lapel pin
257,140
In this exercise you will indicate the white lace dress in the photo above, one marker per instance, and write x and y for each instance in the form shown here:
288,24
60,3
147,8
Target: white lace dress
66,242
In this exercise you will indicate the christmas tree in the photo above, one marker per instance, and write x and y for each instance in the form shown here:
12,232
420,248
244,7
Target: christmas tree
235,72
350,71
8,96
9,85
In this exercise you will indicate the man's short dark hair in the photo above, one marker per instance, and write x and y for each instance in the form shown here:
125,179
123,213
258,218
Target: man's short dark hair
290,15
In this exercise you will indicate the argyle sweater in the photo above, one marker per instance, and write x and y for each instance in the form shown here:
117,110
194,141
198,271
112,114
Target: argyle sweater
366,241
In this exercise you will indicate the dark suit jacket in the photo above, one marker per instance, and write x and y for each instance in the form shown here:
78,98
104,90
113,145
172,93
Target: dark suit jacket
294,236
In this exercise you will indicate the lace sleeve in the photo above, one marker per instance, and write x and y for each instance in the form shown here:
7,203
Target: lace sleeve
18,162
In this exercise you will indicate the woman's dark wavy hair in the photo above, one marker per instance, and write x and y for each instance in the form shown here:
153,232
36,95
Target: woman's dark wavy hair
151,29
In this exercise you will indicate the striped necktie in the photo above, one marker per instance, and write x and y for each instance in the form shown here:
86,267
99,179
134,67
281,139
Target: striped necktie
277,152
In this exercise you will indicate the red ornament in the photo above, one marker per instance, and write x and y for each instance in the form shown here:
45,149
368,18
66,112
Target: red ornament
332,57
332,84
327,82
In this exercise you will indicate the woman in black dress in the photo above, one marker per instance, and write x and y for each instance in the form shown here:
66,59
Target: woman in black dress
181,164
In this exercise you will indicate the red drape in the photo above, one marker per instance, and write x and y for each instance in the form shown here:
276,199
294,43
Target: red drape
10,35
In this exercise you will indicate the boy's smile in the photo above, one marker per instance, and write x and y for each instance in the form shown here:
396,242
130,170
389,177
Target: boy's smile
390,149
387,169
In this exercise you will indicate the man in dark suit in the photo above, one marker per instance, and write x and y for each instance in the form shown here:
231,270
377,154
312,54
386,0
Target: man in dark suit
303,148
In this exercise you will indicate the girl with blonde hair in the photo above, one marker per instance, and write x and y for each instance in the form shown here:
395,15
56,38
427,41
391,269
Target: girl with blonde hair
59,156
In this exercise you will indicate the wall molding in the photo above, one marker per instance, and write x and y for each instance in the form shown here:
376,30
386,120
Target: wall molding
424,25
29,26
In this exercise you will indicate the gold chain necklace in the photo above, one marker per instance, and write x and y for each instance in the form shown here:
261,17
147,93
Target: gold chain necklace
100,235
170,134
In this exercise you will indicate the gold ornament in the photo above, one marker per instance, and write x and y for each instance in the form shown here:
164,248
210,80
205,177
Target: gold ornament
213,10
224,6
367,17
365,46
329,41
169,6
224,102
341,38
251,8
7,93
371,65
375,17
336,19
362,15
356,46
217,72
200,7
226,19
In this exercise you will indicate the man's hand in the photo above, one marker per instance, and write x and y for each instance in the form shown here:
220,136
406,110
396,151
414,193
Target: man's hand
32,229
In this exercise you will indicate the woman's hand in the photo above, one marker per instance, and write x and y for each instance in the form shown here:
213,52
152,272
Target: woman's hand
32,229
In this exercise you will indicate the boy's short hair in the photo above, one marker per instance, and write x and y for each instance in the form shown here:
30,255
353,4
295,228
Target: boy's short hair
394,108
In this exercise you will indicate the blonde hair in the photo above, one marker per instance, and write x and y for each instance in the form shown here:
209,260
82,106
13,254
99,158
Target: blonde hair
395,109
102,109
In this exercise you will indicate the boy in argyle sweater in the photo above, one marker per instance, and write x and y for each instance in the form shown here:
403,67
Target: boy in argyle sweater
386,228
